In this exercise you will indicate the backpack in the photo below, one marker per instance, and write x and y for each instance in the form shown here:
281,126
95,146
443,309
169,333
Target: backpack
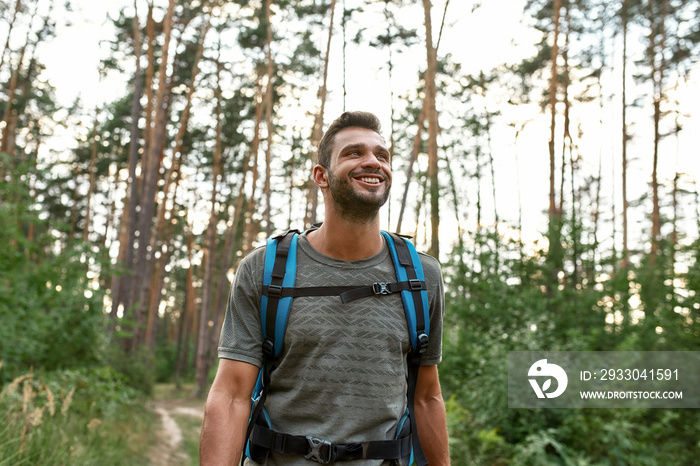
278,290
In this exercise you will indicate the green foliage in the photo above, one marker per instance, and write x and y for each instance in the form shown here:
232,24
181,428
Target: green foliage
76,417
50,306
136,368
502,299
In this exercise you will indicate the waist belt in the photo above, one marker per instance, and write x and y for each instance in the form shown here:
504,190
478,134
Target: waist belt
324,451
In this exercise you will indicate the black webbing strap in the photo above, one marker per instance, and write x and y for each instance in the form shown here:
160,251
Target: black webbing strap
325,451
414,356
413,366
272,291
404,257
347,293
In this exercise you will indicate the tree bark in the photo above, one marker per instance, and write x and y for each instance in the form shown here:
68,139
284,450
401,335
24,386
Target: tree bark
657,72
553,109
411,162
432,116
121,285
254,146
210,252
151,169
269,97
625,137
312,203
91,187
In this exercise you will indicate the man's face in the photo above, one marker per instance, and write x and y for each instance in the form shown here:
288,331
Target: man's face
360,173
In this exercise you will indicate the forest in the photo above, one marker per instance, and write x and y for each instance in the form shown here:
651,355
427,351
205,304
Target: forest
558,185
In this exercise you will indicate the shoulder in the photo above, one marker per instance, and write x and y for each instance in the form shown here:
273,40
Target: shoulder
431,267
429,262
252,264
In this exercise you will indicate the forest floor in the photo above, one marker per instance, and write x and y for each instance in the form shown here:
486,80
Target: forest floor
180,418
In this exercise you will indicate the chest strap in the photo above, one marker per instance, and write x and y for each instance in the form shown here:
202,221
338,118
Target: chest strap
324,451
346,293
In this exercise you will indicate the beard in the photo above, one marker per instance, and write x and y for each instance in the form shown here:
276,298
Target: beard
355,206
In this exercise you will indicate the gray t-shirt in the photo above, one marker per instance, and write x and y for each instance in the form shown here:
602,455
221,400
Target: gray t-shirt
341,375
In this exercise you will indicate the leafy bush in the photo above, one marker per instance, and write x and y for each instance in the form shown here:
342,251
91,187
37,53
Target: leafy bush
502,300
50,304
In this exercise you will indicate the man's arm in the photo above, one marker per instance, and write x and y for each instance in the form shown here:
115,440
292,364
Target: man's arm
431,417
226,413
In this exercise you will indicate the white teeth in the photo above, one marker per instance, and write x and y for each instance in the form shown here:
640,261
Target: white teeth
370,180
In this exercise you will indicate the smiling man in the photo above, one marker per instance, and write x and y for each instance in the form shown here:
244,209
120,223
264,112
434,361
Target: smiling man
340,382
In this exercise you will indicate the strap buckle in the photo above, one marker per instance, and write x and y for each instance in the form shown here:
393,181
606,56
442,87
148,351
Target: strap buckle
381,288
317,452
422,343
415,284
274,291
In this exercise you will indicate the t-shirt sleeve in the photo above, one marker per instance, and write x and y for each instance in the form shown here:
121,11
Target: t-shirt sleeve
436,298
241,333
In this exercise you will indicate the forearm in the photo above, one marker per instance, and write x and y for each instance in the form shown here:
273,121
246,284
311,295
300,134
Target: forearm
223,430
432,430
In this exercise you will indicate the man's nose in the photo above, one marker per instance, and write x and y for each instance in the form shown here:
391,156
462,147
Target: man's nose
371,160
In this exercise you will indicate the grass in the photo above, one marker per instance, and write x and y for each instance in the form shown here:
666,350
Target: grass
79,418
89,417
190,427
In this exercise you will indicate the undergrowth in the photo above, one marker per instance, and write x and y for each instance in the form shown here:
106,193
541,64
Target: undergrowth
76,417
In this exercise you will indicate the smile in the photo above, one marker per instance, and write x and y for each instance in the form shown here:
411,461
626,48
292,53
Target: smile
370,179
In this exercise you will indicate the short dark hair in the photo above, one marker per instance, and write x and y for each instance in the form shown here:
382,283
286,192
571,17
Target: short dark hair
346,120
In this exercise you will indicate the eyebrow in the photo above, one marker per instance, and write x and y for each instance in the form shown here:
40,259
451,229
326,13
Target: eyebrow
360,145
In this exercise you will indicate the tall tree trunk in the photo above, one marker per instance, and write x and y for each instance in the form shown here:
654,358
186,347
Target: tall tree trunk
269,95
658,64
555,251
210,251
151,170
150,70
566,141
187,314
432,116
162,240
74,207
230,241
492,169
392,118
553,109
625,137
456,203
254,146
121,285
477,158
91,187
317,132
411,162
10,26
7,144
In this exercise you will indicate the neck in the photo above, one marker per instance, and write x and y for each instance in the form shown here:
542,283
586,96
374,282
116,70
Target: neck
347,240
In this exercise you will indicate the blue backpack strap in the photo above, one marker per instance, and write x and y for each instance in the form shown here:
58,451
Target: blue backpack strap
279,271
415,301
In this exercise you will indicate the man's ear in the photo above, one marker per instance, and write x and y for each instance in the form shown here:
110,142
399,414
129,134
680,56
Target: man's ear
320,176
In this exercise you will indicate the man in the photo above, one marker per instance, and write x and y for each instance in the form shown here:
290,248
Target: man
342,372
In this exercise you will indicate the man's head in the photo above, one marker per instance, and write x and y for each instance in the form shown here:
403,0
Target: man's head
346,120
354,169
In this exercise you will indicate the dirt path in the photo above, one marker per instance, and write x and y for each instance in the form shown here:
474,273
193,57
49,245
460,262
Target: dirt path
169,450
